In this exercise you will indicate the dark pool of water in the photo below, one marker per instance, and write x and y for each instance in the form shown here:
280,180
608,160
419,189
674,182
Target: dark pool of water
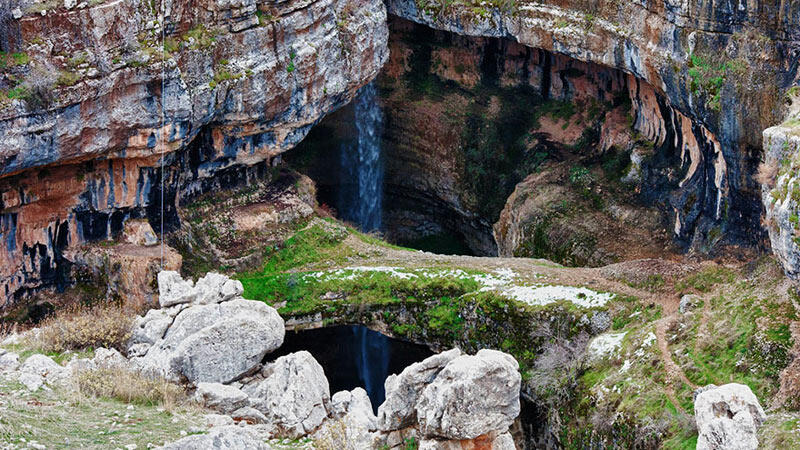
355,356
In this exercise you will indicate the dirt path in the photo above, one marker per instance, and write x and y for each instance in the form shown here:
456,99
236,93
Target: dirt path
673,370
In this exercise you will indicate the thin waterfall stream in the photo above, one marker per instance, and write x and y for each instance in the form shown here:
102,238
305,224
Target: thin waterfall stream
361,203
361,194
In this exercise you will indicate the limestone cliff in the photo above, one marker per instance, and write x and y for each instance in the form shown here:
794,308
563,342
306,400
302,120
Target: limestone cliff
780,190
91,108
707,77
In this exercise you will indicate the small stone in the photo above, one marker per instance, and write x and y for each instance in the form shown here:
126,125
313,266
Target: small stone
688,303
31,381
16,13
69,4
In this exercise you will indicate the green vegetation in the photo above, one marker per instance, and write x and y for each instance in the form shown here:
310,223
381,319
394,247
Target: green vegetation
200,37
474,8
708,77
13,59
67,78
705,279
290,68
222,74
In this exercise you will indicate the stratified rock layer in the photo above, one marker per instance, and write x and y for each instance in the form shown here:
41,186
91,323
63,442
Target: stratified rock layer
104,110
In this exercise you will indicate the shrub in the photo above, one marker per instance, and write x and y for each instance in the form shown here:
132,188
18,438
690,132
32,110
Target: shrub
129,387
79,328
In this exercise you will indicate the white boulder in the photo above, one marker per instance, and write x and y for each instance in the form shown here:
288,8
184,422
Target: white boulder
728,418
216,342
402,391
471,396
174,290
216,288
106,358
9,362
352,424
292,393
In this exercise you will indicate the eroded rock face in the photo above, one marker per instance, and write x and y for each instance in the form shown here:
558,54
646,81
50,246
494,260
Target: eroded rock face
292,393
671,53
779,192
453,401
215,343
471,396
234,91
398,411
727,417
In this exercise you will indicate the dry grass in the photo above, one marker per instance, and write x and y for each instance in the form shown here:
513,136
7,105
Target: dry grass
130,387
78,328
65,418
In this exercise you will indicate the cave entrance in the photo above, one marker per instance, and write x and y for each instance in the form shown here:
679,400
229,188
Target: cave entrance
483,146
355,356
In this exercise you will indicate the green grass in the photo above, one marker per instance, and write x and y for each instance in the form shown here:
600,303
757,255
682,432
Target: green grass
705,280
65,419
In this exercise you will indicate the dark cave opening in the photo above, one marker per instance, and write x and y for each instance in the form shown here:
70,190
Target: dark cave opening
354,356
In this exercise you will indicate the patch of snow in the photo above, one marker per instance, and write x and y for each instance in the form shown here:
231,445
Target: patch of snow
625,366
544,294
501,281
606,344
649,339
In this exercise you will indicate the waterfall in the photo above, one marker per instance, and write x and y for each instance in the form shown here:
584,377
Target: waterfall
373,362
360,197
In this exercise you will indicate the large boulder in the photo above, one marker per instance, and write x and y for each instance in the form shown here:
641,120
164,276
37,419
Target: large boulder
402,391
727,418
452,401
471,396
216,288
292,393
218,338
229,437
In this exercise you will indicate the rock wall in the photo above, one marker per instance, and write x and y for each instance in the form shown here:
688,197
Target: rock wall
707,76
91,109
780,193
468,118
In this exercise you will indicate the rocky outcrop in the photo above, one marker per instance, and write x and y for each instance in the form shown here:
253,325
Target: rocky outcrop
352,423
780,191
704,80
292,393
103,122
471,396
453,401
196,341
728,417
